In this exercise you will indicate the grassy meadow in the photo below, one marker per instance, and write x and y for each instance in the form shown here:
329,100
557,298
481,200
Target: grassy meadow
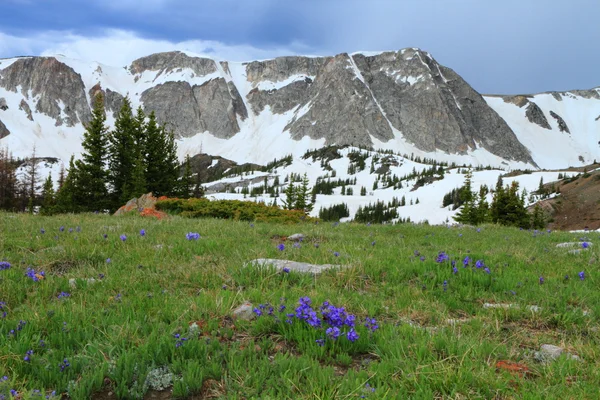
158,313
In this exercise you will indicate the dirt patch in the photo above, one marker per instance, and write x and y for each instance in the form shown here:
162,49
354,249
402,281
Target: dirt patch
577,206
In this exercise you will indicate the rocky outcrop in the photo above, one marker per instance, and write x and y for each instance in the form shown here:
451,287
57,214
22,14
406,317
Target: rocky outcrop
174,104
173,61
188,110
24,106
562,125
3,104
4,132
535,115
113,101
57,90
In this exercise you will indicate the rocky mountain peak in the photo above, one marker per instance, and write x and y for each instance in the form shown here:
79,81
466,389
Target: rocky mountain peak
173,61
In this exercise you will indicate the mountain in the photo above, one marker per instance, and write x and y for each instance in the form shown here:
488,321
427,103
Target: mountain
256,111
248,114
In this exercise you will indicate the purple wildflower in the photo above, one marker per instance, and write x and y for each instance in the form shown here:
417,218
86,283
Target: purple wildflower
296,245
466,261
320,342
42,231
454,270
487,270
123,238
62,229
64,365
62,295
286,270
27,357
105,236
445,285
4,265
335,253
581,275
281,247
352,335
541,280
142,232
192,236
333,332
479,264
585,245
441,257
257,311
371,323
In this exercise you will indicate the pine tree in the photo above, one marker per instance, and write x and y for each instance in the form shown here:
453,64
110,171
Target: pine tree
122,154
92,185
65,197
8,181
31,180
48,197
186,183
162,165
301,196
290,196
468,213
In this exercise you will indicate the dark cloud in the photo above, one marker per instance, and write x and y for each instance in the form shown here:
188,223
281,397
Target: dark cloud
499,46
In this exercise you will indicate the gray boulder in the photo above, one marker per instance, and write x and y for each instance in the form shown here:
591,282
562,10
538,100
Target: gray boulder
286,265
4,132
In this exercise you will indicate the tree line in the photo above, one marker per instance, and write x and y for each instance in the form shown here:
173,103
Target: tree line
137,156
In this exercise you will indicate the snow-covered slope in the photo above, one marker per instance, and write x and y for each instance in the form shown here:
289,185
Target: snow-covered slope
577,143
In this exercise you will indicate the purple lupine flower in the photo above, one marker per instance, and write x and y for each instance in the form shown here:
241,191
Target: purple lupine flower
422,258
286,270
335,253
541,280
62,229
62,295
281,247
441,257
142,232
479,264
333,332
192,236
454,270
581,275
585,245
28,355
123,238
487,270
64,365
371,323
466,261
257,311
320,342
108,260
445,285
4,265
352,335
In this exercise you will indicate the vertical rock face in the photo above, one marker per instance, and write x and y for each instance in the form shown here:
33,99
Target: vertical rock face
59,91
4,132
174,104
113,101
562,125
24,106
536,115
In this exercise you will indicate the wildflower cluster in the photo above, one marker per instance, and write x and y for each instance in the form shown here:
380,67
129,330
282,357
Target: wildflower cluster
333,321
192,236
4,265
63,365
441,257
35,276
3,309
179,340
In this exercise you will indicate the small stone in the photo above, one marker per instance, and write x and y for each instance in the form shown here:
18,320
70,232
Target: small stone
296,237
534,309
571,244
244,312
498,305
280,265
550,352
72,283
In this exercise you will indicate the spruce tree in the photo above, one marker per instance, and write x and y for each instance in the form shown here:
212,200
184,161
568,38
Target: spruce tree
301,201
92,186
122,155
290,196
8,181
48,197
67,194
186,182
162,165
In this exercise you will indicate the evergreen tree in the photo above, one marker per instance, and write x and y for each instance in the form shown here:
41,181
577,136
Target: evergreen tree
65,197
31,179
122,155
48,197
8,181
468,213
186,183
92,187
162,165
302,195
290,196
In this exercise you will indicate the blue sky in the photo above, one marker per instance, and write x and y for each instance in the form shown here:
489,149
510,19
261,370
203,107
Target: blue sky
498,46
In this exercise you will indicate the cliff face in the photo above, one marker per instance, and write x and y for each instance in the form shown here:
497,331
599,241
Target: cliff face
347,99
58,90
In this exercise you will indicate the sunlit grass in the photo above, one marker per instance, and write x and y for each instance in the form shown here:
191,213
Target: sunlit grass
435,338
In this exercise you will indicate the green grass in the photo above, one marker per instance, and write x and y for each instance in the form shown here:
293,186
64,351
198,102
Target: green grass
115,331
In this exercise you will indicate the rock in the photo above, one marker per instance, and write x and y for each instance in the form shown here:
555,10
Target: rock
113,101
57,90
562,125
571,244
3,104
535,114
24,106
499,305
296,237
296,266
145,205
73,282
534,309
244,312
576,251
549,352
166,62
4,132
